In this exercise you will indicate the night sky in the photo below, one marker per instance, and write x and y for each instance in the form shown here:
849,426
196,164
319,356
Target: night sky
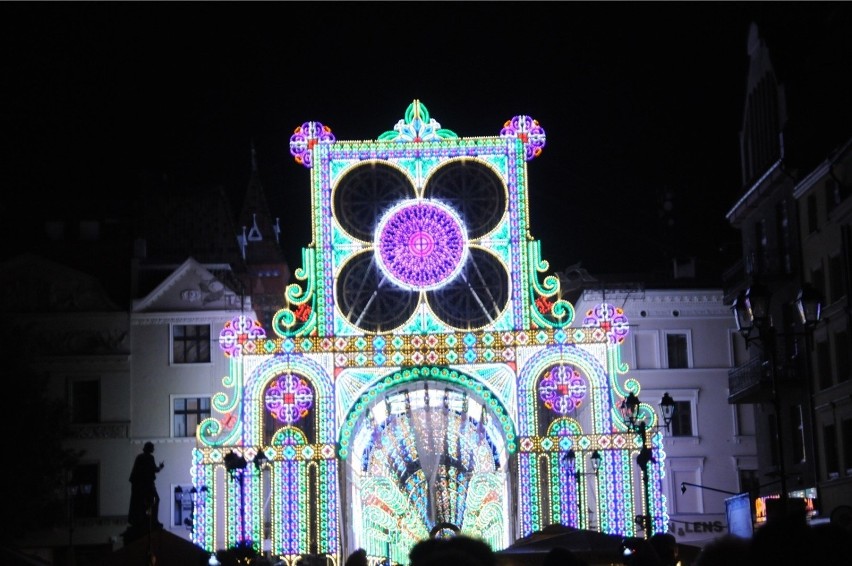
641,103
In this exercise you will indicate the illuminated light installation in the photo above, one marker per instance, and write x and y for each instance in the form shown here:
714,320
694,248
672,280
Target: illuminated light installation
426,374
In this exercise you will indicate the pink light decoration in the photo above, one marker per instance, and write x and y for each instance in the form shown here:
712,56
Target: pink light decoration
305,137
289,398
527,130
562,389
610,319
238,335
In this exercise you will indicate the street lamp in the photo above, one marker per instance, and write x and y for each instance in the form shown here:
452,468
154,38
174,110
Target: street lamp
189,522
751,310
683,485
570,459
630,414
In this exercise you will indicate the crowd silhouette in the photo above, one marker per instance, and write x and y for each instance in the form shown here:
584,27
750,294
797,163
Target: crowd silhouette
784,540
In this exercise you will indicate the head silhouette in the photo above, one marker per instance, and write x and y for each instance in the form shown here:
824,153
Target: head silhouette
148,448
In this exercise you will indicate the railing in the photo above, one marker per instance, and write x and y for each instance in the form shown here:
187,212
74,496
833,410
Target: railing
750,382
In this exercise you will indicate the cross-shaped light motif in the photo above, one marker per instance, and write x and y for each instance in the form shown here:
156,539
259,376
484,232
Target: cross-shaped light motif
562,389
289,398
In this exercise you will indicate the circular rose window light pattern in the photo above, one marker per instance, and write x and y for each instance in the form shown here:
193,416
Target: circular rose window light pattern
420,244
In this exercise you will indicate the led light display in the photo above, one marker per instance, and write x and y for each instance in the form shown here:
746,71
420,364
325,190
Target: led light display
427,374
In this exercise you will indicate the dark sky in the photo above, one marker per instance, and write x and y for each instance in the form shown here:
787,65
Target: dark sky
638,100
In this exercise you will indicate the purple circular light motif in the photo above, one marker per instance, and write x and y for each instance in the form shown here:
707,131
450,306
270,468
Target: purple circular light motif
529,131
610,319
238,334
562,389
420,244
289,398
305,137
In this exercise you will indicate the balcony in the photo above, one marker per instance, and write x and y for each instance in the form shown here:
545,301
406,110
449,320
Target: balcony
750,383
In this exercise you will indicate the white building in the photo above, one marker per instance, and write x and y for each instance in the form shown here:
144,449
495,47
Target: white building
683,342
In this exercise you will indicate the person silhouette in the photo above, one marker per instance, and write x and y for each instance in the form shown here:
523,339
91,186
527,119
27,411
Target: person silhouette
144,499
665,544
357,558
561,556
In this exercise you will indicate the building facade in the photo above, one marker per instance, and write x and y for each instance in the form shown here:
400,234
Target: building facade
383,403
790,216
683,342
824,206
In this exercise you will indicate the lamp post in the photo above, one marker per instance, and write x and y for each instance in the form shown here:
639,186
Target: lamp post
630,414
752,312
570,459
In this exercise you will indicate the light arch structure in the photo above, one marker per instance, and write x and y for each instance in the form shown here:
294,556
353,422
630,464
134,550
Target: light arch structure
427,446
426,355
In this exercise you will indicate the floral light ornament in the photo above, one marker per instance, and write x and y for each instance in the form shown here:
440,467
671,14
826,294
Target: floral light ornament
238,336
289,398
305,137
562,389
610,320
529,131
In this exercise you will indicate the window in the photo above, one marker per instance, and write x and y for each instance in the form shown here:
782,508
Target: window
83,490
829,446
182,515
812,213
773,445
646,349
187,413
677,351
846,442
745,419
841,356
739,348
191,343
85,401
835,278
784,237
682,419
761,244
823,360
832,195
818,280
749,481
797,431
687,470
